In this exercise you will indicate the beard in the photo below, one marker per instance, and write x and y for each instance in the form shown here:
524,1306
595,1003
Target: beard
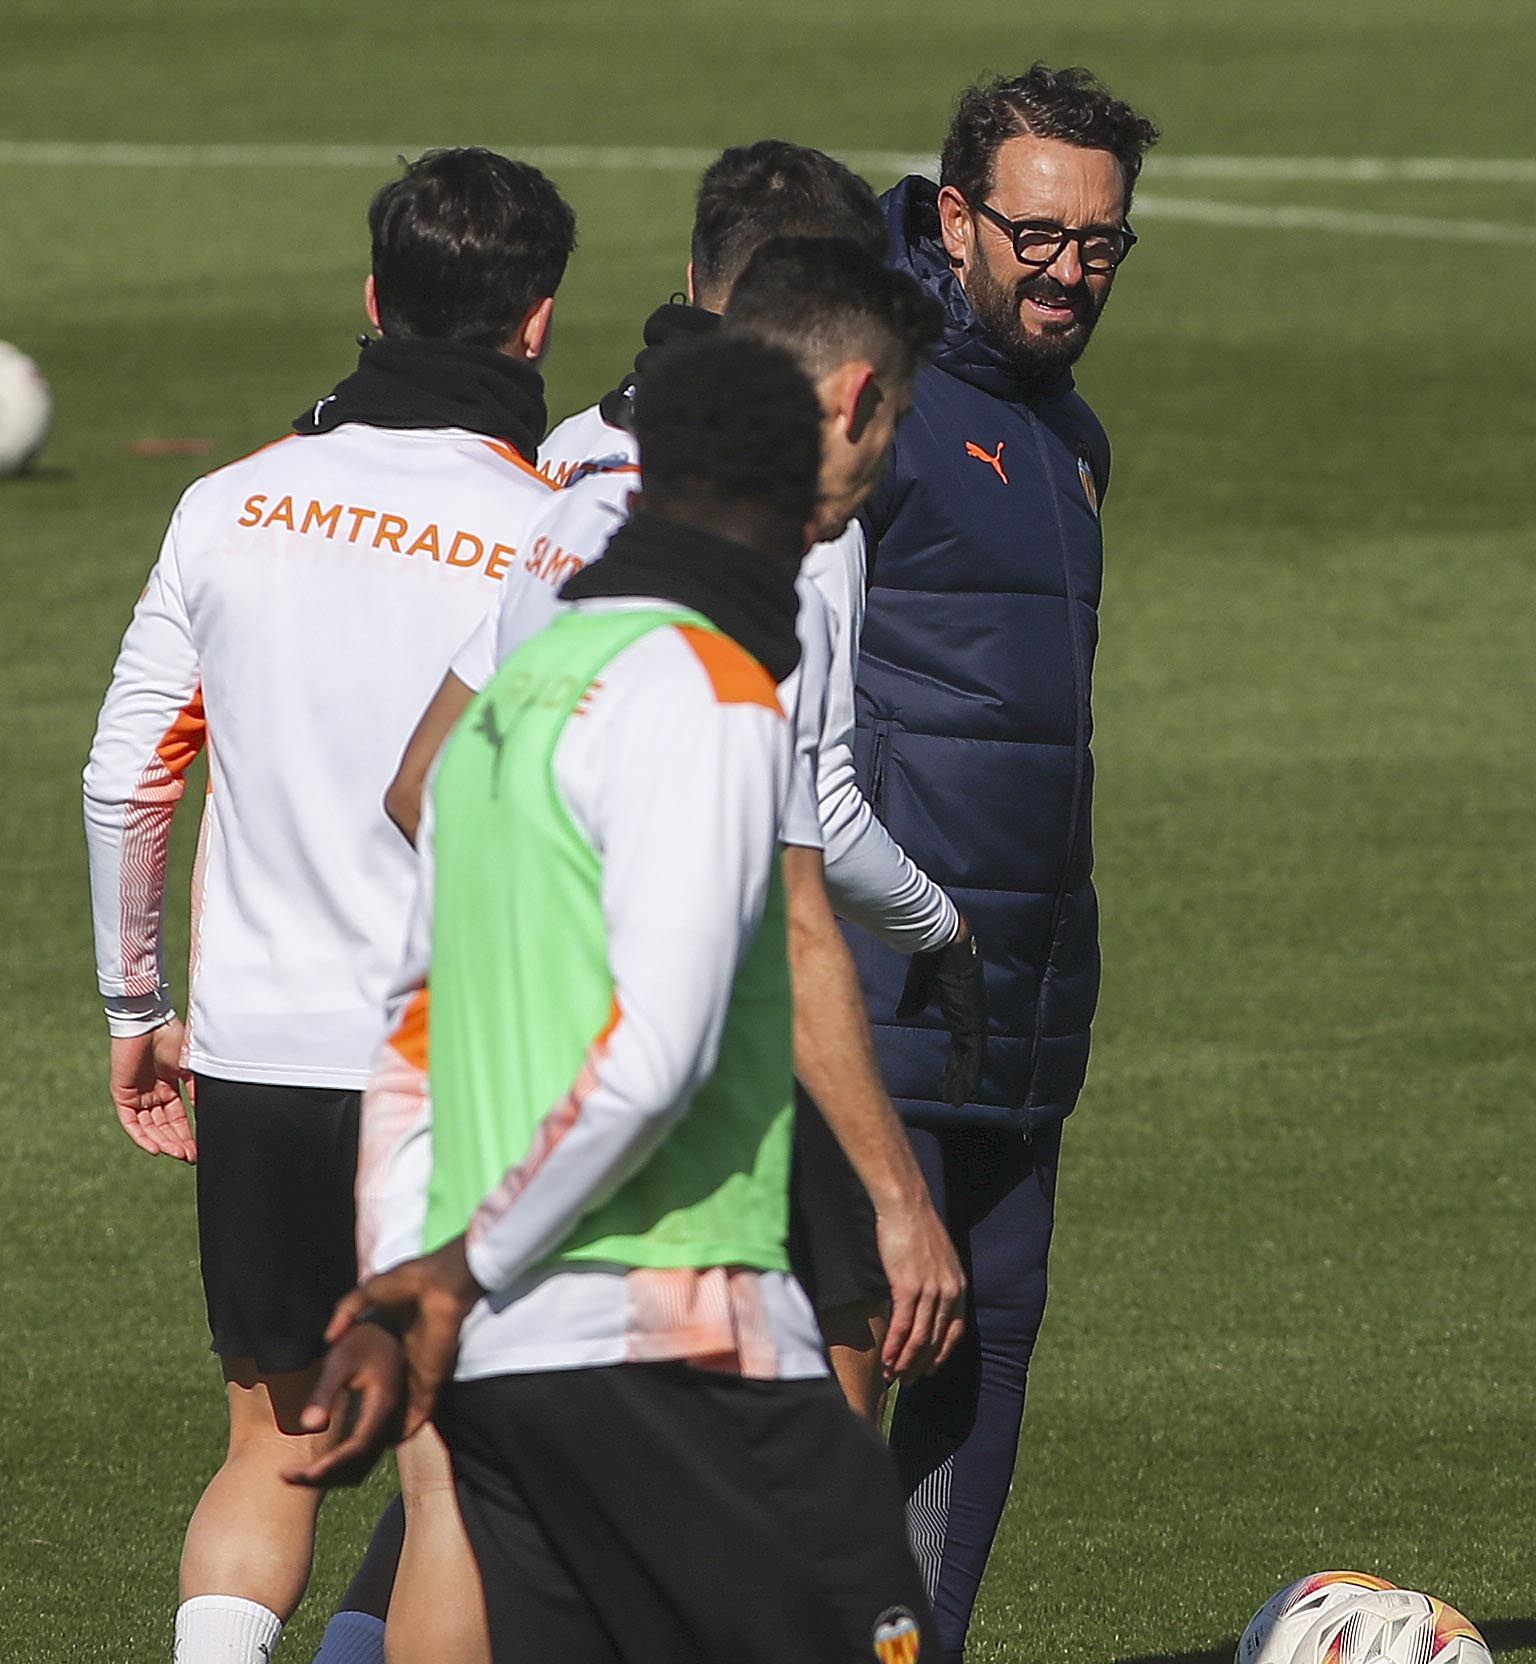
1042,354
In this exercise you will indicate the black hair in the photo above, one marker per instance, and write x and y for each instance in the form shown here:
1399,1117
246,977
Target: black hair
1066,104
730,421
464,243
829,300
774,189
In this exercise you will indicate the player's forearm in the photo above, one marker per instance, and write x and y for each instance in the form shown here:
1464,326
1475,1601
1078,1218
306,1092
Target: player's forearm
873,883
127,843
394,1163
150,729
870,878
629,1094
835,1057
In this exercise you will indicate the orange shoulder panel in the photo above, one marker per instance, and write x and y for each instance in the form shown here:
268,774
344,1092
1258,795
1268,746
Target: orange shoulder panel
410,1036
736,677
508,454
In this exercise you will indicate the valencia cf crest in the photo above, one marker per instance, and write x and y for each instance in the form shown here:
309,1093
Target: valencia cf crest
1090,490
896,1637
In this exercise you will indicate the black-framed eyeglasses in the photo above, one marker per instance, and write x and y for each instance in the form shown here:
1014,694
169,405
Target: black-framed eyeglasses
1038,242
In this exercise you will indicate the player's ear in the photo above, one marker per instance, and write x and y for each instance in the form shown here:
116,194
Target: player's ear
956,226
531,337
850,397
371,302
867,398
692,292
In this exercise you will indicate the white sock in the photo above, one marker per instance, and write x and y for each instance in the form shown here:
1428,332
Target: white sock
352,1638
224,1629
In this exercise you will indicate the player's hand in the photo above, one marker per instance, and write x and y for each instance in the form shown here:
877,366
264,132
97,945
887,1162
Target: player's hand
145,1081
927,1290
362,1381
953,976
425,1303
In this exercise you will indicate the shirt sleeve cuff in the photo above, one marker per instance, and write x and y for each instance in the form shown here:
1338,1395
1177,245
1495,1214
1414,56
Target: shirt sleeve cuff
483,1263
944,927
130,1016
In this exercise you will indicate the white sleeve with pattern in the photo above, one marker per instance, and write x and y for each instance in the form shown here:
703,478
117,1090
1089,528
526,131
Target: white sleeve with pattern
679,794
150,729
394,1146
871,879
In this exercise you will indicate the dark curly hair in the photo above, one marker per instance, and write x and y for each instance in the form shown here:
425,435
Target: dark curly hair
1066,104
729,420
773,188
829,300
464,243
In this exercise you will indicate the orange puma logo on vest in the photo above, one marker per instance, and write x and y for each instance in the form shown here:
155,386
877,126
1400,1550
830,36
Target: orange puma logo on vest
994,459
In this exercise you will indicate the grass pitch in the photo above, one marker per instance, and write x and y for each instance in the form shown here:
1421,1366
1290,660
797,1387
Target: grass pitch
1292,1324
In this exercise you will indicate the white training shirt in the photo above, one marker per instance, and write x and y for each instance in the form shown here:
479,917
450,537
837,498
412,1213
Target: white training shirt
678,780
303,608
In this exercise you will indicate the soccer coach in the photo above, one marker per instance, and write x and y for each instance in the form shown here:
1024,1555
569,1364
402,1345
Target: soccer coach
973,719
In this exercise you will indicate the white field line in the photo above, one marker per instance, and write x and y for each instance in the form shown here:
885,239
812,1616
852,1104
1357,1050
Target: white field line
1510,170
1289,218
641,158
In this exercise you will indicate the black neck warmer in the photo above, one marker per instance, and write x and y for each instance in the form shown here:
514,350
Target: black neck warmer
745,593
438,384
667,323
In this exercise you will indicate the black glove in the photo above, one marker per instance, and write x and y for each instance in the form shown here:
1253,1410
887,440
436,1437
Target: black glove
954,975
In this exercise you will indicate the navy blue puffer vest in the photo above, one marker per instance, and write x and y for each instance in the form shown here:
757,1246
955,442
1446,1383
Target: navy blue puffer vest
973,700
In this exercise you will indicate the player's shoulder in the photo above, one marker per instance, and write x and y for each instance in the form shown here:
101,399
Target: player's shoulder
582,443
601,480
833,571
232,475
404,457
686,663
508,465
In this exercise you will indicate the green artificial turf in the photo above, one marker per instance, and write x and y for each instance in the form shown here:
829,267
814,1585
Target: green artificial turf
1292,1321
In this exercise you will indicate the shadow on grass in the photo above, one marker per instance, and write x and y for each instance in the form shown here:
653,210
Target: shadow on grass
1509,1634
1501,1634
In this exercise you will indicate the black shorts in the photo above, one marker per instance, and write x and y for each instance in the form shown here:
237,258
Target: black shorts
660,1514
832,1246
276,1166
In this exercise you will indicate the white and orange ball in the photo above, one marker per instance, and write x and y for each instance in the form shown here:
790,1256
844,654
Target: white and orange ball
1396,1626
26,410
1282,1621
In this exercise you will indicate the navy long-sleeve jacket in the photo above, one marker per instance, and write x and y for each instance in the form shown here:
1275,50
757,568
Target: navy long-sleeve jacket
973,699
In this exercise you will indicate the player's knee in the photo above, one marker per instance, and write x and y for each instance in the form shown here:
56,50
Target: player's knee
426,1471
860,1326
265,1407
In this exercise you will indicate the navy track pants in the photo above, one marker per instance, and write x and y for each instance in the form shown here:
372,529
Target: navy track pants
956,1434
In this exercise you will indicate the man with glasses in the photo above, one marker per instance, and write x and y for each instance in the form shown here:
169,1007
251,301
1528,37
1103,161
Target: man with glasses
984,558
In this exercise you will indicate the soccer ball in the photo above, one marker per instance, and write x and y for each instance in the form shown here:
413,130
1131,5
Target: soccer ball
1283,1619
26,409
1393,1627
